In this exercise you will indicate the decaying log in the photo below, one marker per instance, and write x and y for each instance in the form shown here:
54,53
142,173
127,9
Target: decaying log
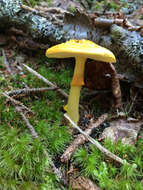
58,26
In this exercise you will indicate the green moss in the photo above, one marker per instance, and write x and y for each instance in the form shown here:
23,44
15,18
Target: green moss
109,176
23,164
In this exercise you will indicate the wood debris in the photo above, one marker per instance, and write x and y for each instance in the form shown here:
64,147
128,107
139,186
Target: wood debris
125,130
96,143
80,139
101,76
7,64
19,107
28,91
16,102
82,183
30,127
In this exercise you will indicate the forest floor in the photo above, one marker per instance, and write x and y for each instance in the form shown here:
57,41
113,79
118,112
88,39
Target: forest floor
23,162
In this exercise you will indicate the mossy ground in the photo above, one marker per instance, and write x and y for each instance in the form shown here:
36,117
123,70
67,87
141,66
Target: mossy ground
23,164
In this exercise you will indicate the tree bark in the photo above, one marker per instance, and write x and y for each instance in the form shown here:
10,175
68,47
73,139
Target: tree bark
55,25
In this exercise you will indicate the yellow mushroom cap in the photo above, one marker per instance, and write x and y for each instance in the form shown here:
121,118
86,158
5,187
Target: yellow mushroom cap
81,48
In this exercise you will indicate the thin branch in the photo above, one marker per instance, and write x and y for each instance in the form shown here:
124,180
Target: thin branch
116,90
83,183
6,63
15,102
46,81
96,143
57,171
81,138
30,127
35,136
28,90
132,103
64,94
108,22
27,8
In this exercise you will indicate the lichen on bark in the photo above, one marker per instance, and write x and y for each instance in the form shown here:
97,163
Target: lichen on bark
57,27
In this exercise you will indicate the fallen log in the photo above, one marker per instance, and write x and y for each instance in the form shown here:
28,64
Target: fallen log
58,25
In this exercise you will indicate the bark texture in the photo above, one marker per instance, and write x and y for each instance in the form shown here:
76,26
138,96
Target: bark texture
52,26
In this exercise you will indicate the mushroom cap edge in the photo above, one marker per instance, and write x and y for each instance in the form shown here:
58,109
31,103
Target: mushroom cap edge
81,48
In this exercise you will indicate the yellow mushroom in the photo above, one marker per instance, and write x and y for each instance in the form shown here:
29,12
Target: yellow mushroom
81,50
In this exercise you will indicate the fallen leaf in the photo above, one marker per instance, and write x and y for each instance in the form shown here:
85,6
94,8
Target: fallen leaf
82,183
124,130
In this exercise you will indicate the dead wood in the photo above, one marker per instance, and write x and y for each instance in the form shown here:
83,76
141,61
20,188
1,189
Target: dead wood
81,138
30,127
46,81
60,91
58,25
16,102
19,107
96,143
82,183
7,64
35,136
99,76
115,87
28,91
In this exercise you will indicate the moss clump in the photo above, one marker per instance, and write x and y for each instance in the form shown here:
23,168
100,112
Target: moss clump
23,164
109,176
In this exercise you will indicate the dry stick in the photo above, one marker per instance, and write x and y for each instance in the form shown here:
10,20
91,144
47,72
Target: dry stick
32,130
18,103
96,143
46,81
83,183
49,83
35,136
30,127
132,103
28,90
81,138
7,64
116,90
27,8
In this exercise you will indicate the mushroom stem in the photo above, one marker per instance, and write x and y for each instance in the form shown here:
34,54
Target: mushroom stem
76,84
78,76
73,103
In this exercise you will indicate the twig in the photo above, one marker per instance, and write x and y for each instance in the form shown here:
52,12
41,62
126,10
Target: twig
81,138
28,90
35,136
15,102
96,143
115,87
30,127
45,80
83,183
132,103
64,94
7,64
108,22
57,171
27,8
